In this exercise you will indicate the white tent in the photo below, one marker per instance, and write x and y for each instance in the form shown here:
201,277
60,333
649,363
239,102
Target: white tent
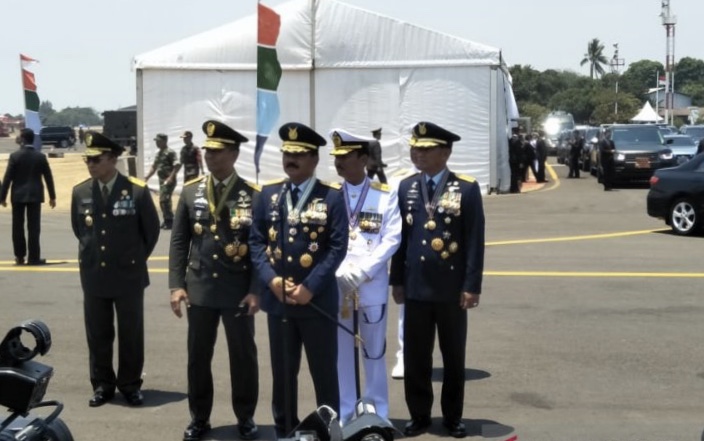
342,67
647,114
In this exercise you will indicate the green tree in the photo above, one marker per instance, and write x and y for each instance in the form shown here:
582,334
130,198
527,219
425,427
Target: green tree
595,57
628,107
689,71
696,91
74,116
535,112
46,110
640,76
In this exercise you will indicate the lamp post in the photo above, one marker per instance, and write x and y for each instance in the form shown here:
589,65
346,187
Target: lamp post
615,63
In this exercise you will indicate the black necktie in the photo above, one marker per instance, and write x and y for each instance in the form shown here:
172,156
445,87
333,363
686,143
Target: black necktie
431,188
219,190
105,193
295,194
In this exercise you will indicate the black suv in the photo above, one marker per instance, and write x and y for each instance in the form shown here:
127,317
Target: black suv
640,150
59,136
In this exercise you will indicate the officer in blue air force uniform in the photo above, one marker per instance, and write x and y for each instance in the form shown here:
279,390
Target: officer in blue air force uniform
298,240
117,227
211,272
375,234
437,272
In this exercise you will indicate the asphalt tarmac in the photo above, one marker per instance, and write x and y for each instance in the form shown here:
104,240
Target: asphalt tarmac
587,329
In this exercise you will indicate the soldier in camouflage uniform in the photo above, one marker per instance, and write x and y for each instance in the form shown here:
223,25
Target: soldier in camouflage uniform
191,159
166,167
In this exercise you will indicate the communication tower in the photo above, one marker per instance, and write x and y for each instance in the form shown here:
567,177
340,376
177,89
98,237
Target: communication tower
669,20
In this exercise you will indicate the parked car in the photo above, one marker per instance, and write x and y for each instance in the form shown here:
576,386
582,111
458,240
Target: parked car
640,150
683,147
591,144
694,132
677,196
58,136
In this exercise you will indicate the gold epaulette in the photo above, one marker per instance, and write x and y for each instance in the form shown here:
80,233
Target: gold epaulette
466,178
335,185
252,185
381,187
275,181
194,180
137,182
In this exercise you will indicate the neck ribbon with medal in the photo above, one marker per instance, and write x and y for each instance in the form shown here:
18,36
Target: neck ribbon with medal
431,204
353,215
294,215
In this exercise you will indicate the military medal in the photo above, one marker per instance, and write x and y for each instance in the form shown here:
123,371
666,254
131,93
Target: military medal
444,254
213,228
448,220
236,259
306,260
272,234
198,228
230,249
313,235
313,247
437,244
453,247
353,213
431,201
292,231
242,250
295,213
89,221
409,219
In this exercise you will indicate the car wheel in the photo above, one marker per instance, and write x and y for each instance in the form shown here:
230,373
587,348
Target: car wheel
63,144
683,217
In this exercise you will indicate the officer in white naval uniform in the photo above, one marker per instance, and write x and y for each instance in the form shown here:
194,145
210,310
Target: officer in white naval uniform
375,233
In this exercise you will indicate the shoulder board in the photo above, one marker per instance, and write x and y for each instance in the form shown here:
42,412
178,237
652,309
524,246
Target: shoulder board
413,175
276,181
335,185
253,185
466,178
83,182
137,182
194,180
381,187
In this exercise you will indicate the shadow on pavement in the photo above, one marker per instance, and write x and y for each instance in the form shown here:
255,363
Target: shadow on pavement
469,374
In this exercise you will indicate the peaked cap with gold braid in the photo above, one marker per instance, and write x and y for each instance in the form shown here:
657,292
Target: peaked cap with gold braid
427,135
221,136
299,138
97,144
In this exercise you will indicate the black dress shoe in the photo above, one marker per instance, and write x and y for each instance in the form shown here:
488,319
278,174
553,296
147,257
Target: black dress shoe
134,398
37,262
195,430
19,260
456,428
248,429
100,397
416,427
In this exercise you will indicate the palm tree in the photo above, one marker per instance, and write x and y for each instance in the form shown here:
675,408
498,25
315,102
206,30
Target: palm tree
596,58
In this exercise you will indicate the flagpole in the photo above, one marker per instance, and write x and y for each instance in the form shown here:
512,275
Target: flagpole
657,90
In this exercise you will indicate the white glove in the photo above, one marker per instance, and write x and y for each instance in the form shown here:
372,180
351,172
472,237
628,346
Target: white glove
355,277
345,286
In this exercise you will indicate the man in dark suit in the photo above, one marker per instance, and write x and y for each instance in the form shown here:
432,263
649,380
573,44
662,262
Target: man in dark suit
375,165
24,173
210,270
437,273
117,226
606,159
298,239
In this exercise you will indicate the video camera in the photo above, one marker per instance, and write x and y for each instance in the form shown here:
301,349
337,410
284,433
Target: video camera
23,384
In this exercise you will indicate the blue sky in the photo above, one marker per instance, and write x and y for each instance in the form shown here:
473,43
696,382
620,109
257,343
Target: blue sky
85,48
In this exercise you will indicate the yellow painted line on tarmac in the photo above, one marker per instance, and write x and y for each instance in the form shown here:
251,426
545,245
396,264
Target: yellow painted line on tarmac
594,274
54,268
575,238
553,177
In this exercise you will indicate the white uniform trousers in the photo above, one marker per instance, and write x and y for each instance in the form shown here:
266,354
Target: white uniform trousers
373,381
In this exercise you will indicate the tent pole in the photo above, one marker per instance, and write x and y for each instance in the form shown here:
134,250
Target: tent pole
312,64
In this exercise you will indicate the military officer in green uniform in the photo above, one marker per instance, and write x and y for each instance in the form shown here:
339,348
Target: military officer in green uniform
166,167
437,273
210,271
117,227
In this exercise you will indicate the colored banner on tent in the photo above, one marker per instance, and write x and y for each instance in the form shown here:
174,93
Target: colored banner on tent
268,77
31,99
